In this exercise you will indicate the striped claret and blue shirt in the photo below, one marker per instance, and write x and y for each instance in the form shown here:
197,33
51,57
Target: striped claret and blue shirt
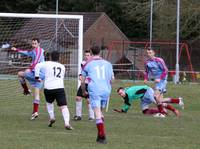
155,68
37,55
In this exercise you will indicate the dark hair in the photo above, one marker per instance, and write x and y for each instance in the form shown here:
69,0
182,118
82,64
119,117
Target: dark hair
55,56
95,50
120,89
148,49
36,39
87,51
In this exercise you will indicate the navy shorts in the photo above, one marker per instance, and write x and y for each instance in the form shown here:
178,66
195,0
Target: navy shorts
80,93
56,94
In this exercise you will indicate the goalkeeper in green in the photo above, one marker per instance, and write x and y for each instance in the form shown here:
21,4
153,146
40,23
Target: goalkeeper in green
146,95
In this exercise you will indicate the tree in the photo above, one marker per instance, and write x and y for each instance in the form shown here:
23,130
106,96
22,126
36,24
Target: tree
19,6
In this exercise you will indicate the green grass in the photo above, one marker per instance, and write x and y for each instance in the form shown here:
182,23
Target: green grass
124,131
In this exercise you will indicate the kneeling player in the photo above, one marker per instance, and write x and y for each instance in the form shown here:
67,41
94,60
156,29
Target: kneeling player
146,95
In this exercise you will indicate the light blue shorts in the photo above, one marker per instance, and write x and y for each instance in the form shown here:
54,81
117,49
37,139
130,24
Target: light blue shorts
99,101
147,99
161,86
30,76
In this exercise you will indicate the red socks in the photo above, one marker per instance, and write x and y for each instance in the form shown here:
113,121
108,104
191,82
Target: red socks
151,111
101,131
171,108
100,127
175,100
25,87
161,109
35,105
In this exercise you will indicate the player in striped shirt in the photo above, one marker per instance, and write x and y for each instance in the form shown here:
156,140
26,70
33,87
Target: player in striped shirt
54,88
156,70
37,56
100,75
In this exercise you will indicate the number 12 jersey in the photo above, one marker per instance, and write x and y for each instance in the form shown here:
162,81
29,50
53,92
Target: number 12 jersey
54,74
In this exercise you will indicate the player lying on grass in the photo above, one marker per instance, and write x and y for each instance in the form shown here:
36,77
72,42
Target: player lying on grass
37,55
146,95
54,88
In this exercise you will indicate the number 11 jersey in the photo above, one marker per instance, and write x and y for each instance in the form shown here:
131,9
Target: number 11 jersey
100,74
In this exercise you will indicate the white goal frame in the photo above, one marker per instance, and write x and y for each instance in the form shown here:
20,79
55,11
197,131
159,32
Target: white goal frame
80,32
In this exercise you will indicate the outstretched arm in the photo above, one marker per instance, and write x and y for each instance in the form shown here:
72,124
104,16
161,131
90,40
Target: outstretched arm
25,52
124,108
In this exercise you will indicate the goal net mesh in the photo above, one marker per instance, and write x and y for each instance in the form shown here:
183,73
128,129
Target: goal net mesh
61,34
128,58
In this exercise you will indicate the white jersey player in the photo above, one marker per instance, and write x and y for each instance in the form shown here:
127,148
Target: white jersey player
54,87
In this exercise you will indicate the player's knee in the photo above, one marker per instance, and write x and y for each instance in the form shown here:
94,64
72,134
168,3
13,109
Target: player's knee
145,111
87,101
157,93
78,98
27,70
20,74
62,106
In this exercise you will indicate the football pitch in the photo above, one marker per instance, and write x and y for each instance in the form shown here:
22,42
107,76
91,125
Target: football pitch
124,131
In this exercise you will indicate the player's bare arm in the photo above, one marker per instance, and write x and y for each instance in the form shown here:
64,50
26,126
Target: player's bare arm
13,49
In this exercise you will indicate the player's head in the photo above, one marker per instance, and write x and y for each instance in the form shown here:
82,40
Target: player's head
150,53
121,92
55,56
87,54
95,50
35,42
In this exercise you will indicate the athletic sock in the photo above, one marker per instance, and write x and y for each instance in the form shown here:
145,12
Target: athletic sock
79,108
90,111
151,111
36,103
23,84
65,114
170,107
50,109
175,100
161,109
100,127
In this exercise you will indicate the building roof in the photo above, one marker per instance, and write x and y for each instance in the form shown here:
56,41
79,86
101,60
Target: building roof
88,18
45,29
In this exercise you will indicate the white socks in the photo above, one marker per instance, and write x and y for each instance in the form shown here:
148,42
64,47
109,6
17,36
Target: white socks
50,109
63,109
90,111
79,108
65,114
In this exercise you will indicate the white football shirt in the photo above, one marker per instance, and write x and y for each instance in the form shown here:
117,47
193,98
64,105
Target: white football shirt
54,74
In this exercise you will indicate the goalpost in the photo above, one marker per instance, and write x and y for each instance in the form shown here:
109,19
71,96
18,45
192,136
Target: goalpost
56,32
130,57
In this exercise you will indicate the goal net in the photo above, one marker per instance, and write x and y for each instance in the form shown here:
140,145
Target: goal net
63,33
128,58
